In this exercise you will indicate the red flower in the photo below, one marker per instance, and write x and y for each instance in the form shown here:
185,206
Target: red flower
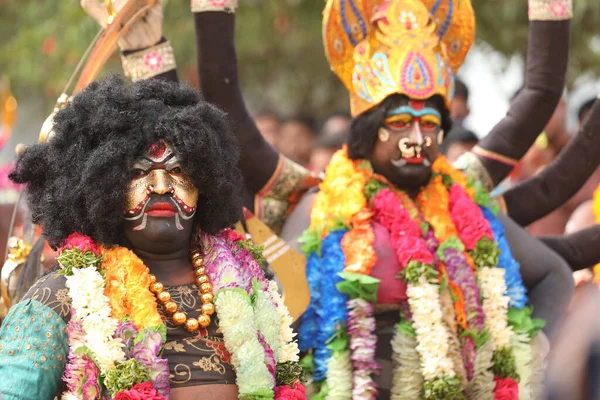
232,235
141,391
298,392
80,241
506,389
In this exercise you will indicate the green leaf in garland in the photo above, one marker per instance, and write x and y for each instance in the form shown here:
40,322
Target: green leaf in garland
415,269
75,258
486,253
339,341
505,365
338,225
373,187
311,241
259,394
451,243
323,392
288,373
424,227
479,338
482,197
254,249
124,376
307,363
365,165
406,328
447,180
443,388
162,329
521,321
359,286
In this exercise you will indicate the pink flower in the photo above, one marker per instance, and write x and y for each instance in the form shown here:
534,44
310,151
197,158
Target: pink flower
468,218
153,61
298,392
232,235
506,389
141,391
558,8
411,248
80,241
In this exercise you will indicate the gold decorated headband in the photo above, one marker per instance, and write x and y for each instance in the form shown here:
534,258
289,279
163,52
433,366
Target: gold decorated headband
383,47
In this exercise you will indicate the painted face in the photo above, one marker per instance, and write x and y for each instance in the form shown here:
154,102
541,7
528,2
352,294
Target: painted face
161,199
408,143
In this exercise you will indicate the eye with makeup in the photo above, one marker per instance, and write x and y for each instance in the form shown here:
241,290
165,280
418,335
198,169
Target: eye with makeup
399,122
429,123
138,172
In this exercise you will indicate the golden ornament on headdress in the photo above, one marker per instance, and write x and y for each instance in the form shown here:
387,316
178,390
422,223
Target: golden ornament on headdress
383,47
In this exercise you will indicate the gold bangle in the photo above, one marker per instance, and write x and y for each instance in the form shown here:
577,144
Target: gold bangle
150,62
228,6
550,10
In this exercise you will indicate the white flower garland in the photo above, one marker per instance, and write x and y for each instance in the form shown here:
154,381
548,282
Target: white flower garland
267,320
339,376
523,351
495,306
236,320
432,335
288,350
407,380
92,308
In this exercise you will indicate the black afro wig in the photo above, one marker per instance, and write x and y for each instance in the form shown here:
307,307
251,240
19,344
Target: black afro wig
77,181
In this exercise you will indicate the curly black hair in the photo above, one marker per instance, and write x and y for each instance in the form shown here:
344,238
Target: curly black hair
77,181
364,128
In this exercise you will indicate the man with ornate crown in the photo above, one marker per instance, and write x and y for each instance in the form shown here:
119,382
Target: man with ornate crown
415,290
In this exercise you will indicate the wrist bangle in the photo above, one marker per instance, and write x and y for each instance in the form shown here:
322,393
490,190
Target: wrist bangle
228,6
149,62
550,10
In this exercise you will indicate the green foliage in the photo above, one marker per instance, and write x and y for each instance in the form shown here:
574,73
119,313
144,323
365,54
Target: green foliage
415,269
505,365
406,328
443,388
254,249
486,253
340,341
358,286
288,373
311,241
124,376
75,258
373,187
279,46
521,321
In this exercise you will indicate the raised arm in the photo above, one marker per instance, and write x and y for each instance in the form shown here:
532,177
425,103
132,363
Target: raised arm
529,112
559,181
219,81
277,182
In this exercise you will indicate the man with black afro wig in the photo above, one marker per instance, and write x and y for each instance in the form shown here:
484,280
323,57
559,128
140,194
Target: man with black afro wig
77,181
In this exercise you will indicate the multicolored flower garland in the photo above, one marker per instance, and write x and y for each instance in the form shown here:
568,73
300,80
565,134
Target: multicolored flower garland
441,240
116,333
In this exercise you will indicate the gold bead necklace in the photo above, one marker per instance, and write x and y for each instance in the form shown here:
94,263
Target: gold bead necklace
206,296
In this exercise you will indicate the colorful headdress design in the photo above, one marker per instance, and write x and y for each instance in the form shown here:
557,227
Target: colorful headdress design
383,47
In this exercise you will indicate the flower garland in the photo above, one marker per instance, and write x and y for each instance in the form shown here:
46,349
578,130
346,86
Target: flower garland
443,240
116,333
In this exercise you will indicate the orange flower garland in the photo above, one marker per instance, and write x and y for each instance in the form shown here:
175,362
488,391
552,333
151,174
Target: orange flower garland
127,288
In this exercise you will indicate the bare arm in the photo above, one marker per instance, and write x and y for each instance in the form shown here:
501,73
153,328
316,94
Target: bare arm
558,182
546,275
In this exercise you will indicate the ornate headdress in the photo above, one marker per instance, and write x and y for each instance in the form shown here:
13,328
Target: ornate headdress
383,47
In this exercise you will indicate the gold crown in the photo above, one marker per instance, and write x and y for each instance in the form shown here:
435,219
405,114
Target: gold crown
383,47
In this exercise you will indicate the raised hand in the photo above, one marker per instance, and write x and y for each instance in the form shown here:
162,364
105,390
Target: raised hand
145,32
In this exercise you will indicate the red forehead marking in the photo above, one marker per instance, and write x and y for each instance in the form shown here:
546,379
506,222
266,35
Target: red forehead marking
157,150
416,105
